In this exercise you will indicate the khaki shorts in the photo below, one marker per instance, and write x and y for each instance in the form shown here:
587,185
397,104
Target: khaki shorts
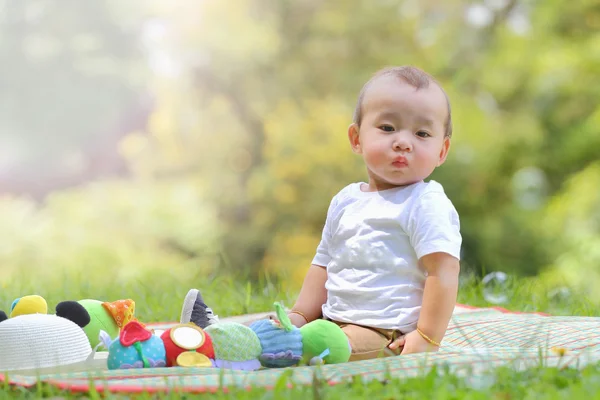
368,343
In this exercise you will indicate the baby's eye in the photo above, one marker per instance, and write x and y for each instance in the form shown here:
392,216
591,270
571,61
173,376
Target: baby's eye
423,134
387,128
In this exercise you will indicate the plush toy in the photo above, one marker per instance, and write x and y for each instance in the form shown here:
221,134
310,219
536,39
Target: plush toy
73,311
236,346
281,343
284,345
184,345
109,317
136,347
93,315
34,304
272,343
324,342
187,345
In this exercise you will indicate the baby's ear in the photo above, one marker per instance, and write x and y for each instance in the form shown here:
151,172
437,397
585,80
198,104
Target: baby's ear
353,136
3,316
444,151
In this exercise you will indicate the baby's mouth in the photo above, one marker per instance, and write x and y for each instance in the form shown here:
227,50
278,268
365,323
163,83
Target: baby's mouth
400,162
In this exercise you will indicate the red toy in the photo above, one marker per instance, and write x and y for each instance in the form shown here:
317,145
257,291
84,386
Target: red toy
188,345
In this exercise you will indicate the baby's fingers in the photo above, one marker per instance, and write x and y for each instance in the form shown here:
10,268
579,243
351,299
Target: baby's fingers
398,342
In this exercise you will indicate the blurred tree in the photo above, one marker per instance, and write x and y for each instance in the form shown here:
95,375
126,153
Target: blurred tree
272,88
253,102
71,82
571,232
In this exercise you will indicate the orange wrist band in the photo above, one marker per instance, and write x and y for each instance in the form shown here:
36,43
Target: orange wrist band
300,314
430,340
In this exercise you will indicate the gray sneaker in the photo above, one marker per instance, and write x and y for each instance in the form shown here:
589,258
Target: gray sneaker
194,310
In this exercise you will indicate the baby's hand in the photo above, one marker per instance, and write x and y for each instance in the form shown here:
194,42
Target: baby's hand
297,320
413,343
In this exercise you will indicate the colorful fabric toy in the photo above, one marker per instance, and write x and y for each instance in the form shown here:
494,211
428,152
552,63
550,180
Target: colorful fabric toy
109,317
122,311
280,340
236,346
187,345
100,320
280,347
272,343
34,304
136,347
97,315
324,342
317,342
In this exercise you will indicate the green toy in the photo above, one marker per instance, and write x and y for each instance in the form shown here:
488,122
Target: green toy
324,341
284,345
100,319
236,346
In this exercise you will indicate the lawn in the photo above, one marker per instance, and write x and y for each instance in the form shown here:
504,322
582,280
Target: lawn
159,299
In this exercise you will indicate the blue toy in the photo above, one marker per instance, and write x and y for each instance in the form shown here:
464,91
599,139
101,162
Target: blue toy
136,347
281,342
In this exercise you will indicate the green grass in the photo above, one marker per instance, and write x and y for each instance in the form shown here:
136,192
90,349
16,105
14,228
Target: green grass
158,298
503,383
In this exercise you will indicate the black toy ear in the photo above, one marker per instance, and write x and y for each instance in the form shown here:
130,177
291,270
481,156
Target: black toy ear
73,311
3,316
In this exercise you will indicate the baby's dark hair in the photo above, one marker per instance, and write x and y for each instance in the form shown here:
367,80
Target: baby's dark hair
413,76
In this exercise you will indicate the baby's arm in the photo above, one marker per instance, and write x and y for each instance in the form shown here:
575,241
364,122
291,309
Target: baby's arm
439,299
311,298
434,230
439,295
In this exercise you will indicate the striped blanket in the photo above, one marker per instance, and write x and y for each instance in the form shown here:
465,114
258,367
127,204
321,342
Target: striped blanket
477,339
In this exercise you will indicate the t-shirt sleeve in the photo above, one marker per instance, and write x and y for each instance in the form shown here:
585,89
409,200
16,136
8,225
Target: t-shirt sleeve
322,256
434,225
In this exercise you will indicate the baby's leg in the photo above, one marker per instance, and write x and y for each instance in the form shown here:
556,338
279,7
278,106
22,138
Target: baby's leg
369,343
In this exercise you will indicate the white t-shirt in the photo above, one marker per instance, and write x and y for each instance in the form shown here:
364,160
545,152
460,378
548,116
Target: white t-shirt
371,245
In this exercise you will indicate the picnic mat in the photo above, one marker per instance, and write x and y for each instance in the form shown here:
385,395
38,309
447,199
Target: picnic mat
477,339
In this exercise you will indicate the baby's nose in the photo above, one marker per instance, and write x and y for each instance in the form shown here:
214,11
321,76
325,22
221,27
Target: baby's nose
401,144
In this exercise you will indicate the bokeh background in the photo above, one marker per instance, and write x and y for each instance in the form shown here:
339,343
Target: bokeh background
144,142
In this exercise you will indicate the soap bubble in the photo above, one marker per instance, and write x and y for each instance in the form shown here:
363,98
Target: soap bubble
480,381
495,285
559,295
316,361
479,15
530,187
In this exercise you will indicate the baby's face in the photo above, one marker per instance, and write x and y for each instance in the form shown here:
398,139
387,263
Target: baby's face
402,134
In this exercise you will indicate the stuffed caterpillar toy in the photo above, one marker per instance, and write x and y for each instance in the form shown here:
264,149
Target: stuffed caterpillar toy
284,345
271,343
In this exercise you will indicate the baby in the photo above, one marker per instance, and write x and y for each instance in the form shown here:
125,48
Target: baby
386,269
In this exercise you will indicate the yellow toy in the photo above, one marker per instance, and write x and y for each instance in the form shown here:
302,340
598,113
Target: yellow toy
32,304
92,315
